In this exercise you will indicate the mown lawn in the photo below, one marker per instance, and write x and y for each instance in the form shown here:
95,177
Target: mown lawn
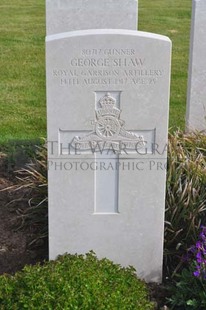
171,18
22,84
22,62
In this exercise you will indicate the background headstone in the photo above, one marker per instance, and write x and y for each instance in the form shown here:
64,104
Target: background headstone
69,15
109,87
196,97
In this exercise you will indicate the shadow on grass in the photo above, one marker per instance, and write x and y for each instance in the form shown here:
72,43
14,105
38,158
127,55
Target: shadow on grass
19,152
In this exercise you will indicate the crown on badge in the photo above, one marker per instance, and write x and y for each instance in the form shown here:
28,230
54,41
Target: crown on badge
108,108
107,101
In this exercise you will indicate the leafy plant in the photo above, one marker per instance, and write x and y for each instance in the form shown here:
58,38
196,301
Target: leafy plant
74,282
185,196
190,289
189,292
199,250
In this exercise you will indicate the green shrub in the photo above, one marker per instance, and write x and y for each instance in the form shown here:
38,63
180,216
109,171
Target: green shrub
74,282
185,196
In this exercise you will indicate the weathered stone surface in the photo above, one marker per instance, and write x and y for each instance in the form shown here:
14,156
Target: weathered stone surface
69,15
108,89
196,98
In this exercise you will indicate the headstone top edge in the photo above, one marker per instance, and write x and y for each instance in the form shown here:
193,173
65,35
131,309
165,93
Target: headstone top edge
80,33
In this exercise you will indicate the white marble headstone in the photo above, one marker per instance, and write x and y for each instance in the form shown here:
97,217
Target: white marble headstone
108,98
196,97
69,15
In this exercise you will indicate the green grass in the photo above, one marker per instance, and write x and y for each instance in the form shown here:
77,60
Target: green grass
22,86
171,18
22,62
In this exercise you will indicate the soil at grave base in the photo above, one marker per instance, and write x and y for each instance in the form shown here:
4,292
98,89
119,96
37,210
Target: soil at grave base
15,252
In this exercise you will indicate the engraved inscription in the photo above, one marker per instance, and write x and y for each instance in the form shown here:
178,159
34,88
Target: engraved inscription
107,67
108,51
